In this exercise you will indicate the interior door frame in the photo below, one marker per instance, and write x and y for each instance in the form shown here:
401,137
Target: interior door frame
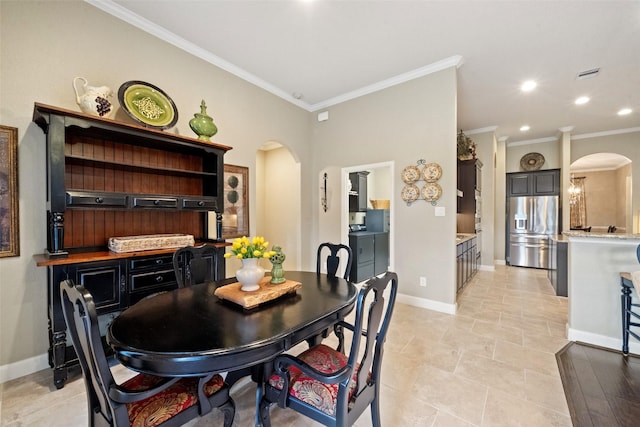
344,209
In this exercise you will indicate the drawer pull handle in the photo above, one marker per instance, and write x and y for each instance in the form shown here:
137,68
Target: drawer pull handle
99,200
200,203
156,202
159,261
159,279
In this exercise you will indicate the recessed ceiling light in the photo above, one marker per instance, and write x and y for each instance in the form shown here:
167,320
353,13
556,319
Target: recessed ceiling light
625,111
582,100
528,86
525,128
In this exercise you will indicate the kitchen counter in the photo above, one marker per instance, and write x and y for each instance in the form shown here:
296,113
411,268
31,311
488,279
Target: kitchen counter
463,237
596,235
595,261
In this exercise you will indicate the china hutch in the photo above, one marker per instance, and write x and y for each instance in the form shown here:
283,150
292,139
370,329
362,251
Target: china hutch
108,179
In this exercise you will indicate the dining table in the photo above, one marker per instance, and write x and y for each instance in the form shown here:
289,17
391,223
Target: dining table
191,332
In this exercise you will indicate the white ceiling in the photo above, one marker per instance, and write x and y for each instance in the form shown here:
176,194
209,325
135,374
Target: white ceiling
329,51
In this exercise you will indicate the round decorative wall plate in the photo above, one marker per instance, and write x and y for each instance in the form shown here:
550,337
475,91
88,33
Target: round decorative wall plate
431,172
410,174
531,161
148,104
431,191
410,193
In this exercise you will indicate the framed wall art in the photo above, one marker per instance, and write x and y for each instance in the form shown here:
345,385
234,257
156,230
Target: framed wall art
9,231
235,217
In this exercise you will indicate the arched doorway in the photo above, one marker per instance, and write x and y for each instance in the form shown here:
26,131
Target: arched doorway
278,200
602,182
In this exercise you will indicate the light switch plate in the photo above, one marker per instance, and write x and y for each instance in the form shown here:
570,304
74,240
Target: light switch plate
440,210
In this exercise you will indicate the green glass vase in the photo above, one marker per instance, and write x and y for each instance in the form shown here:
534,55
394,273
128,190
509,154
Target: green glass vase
202,124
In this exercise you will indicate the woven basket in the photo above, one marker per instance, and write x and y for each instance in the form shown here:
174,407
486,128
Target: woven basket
380,204
149,242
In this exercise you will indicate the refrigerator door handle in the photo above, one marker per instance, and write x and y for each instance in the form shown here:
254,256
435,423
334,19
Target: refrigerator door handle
520,224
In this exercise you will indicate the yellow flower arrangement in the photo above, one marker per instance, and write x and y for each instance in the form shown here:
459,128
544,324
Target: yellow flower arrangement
243,248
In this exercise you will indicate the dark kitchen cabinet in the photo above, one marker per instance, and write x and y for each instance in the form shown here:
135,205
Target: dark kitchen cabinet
381,255
358,194
466,261
536,183
468,218
107,178
370,254
558,271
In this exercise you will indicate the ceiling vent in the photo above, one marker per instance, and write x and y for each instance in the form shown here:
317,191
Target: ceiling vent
587,74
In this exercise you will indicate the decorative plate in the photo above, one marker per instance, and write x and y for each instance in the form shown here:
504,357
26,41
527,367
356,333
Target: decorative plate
148,104
410,193
532,161
431,172
431,191
410,174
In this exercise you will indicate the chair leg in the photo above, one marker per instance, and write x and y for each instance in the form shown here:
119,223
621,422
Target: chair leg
229,411
265,416
375,412
626,317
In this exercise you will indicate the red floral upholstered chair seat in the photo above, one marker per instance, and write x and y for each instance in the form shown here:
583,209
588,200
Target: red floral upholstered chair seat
144,400
307,389
327,385
166,404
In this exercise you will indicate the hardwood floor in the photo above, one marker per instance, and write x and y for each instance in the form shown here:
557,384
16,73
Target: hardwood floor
601,385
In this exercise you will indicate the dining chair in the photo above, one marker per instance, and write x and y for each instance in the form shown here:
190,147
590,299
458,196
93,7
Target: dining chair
195,264
329,386
332,261
144,400
630,309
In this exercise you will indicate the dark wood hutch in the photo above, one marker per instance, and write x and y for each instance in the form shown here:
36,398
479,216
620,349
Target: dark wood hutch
107,178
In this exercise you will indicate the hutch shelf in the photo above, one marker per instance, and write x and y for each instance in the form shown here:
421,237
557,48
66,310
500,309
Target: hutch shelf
107,178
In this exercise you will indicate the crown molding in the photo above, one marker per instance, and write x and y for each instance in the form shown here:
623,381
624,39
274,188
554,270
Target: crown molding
452,61
605,133
480,130
143,24
532,141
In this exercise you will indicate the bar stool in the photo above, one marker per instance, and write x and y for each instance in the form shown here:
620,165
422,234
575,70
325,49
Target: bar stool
626,284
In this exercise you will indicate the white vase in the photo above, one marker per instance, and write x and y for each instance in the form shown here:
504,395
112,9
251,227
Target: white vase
250,274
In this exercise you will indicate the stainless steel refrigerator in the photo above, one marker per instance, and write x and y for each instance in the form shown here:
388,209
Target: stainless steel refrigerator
531,222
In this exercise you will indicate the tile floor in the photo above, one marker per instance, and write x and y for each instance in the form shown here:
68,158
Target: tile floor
492,364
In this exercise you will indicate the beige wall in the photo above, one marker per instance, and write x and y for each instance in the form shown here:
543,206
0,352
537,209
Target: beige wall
549,150
625,144
44,46
405,123
602,198
280,209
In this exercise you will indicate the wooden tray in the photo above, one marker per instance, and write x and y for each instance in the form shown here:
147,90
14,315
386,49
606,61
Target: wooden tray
249,300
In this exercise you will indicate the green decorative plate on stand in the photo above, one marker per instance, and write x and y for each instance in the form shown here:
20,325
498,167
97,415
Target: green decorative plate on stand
148,104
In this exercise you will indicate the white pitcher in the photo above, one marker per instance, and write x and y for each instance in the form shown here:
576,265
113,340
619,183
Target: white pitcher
93,100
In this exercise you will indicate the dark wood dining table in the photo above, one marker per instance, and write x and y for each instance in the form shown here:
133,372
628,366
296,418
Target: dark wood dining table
191,332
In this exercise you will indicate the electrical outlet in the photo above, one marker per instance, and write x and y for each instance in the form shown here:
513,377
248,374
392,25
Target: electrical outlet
423,282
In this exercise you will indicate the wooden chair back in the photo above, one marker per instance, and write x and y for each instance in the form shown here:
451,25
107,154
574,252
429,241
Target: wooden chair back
195,264
357,379
333,259
82,321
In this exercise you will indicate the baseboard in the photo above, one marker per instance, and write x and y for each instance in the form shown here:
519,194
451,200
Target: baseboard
487,267
499,262
601,340
23,367
427,303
